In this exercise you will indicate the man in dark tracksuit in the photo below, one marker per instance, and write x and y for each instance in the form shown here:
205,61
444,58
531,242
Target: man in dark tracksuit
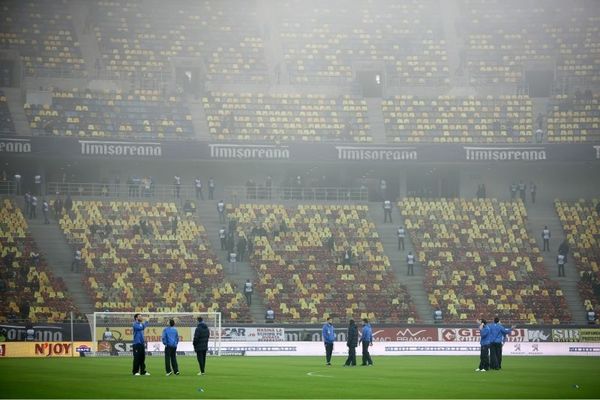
201,336
139,351
170,338
366,340
484,357
497,335
352,342
328,339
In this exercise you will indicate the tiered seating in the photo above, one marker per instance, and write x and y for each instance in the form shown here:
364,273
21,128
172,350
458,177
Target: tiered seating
502,39
141,38
572,119
139,114
446,119
126,270
303,281
24,283
43,33
581,223
322,41
286,117
6,123
480,261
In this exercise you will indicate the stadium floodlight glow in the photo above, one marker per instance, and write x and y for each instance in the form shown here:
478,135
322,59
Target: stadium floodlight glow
120,326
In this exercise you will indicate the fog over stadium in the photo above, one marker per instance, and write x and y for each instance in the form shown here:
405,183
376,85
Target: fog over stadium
420,164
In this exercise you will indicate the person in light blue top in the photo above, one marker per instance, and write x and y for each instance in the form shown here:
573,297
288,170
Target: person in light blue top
328,339
485,341
170,338
366,340
498,335
139,351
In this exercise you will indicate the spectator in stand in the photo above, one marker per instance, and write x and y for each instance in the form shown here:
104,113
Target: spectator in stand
484,341
211,188
76,264
410,264
330,243
198,185
351,343
170,338
546,238
45,210
387,211
233,262
221,211
523,191
248,292
367,340
24,309
347,257
27,202
29,332
560,260
401,235
564,249
241,248
139,351
328,340
174,223
223,238
177,184
270,315
107,335
513,191
68,205
33,207
532,191
17,178
58,206
438,316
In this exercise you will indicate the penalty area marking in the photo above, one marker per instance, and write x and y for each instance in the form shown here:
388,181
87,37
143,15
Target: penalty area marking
315,374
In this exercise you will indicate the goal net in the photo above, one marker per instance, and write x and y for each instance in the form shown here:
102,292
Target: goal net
112,332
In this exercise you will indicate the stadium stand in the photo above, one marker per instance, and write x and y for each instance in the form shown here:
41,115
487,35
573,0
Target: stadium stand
130,115
140,38
581,222
322,42
286,117
303,280
445,119
127,269
6,123
479,260
574,118
42,31
29,290
503,37
6,72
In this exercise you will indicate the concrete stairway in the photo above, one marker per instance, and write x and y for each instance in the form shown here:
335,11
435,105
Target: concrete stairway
199,121
55,249
15,102
208,217
450,12
376,120
543,214
389,238
90,51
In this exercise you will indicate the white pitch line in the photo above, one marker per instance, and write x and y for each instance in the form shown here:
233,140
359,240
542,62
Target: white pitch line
318,375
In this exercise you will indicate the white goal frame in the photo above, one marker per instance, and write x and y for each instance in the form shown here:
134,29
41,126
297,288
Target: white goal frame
215,316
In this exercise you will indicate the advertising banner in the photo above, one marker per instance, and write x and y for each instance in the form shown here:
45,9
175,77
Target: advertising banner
48,332
566,335
589,335
152,333
258,334
45,349
472,335
412,334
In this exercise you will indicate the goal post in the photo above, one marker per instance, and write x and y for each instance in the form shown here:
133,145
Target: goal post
112,332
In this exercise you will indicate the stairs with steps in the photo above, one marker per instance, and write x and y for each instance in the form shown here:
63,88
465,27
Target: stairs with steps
543,214
55,249
15,101
375,114
208,217
80,10
199,121
389,238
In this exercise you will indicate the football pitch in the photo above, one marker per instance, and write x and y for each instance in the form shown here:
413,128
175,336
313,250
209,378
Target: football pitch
302,377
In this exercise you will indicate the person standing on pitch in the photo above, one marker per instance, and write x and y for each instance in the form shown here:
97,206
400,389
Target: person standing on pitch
366,340
201,336
170,338
484,357
139,351
351,342
497,334
328,339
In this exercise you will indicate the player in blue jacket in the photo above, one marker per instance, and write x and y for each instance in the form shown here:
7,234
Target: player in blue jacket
170,338
498,337
485,340
139,350
366,340
328,339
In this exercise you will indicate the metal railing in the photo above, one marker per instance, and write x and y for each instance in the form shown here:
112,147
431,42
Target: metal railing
337,194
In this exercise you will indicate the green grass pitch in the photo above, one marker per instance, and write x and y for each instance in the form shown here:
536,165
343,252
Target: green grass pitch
302,377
